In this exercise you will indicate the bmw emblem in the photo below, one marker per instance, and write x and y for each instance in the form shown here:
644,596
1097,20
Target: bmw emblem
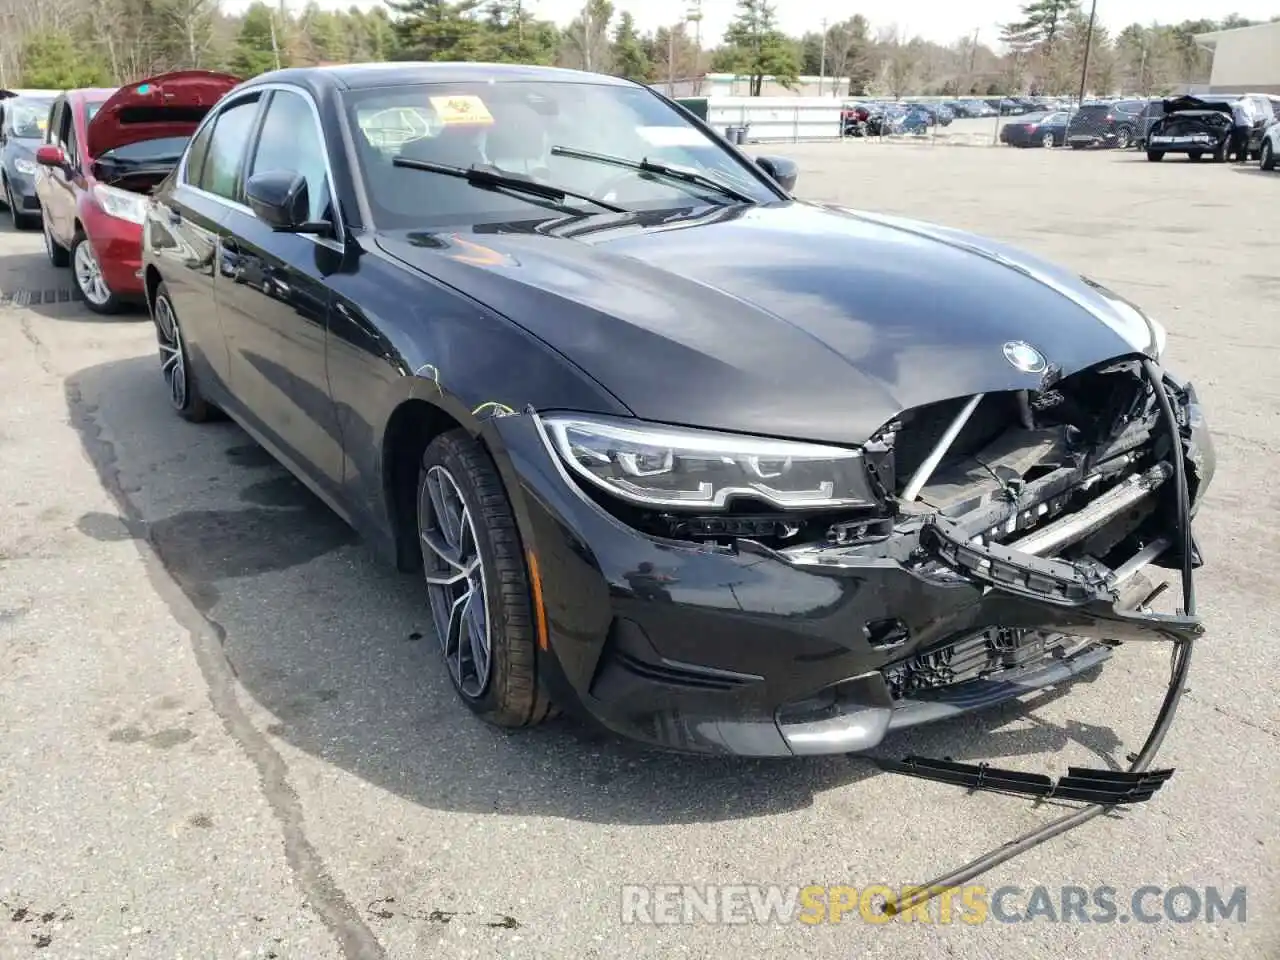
1025,357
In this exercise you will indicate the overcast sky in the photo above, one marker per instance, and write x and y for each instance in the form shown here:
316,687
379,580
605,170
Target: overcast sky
940,20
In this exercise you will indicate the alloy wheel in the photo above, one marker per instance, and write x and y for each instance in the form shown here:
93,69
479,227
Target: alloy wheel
1047,140
1122,138
173,363
89,274
456,582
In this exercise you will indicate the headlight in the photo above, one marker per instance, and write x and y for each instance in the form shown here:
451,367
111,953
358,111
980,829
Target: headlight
121,203
660,466
25,166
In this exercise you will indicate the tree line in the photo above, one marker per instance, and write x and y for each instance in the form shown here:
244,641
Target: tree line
59,44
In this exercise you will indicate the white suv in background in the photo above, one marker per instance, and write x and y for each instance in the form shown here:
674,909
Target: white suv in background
1270,147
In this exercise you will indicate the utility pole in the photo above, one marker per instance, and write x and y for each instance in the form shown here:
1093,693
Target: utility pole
275,47
822,57
671,62
1088,43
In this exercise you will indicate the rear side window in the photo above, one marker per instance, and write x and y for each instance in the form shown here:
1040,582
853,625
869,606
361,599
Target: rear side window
224,159
197,154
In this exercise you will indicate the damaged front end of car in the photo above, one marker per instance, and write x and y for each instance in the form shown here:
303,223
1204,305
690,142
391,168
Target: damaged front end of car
1053,501
1055,516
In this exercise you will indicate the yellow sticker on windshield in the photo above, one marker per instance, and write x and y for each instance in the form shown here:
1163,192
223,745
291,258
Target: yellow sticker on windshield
43,124
462,109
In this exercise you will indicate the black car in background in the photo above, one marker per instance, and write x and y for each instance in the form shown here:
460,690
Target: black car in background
22,128
726,471
1194,126
1109,123
1036,130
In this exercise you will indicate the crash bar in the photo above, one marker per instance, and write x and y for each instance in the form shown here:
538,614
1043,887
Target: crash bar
925,470
1095,515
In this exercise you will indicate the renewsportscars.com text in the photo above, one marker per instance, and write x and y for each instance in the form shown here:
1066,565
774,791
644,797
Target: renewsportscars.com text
971,904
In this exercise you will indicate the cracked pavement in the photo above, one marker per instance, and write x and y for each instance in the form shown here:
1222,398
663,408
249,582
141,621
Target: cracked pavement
225,733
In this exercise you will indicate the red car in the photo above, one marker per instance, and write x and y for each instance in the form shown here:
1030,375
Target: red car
103,152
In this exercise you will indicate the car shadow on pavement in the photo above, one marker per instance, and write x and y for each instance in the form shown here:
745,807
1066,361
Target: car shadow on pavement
339,650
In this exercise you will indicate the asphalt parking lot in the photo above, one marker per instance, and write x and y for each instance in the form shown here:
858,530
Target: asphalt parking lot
225,733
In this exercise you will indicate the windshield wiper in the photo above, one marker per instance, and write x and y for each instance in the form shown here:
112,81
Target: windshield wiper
666,171
491,177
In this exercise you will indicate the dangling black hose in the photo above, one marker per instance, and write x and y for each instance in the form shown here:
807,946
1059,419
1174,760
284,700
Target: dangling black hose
1164,719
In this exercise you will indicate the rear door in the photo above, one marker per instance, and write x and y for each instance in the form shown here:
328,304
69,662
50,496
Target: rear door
182,234
273,299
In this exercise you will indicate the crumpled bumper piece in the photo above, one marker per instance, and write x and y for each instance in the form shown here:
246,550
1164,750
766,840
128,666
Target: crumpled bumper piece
1040,593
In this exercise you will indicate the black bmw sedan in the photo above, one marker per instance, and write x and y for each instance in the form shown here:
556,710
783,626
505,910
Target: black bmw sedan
723,470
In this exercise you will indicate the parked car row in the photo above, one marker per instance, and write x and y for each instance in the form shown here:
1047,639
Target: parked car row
1194,126
80,164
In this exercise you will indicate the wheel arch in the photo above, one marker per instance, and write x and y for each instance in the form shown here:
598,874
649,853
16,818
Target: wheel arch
412,425
151,281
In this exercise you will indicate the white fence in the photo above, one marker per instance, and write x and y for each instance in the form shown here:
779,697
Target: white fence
777,118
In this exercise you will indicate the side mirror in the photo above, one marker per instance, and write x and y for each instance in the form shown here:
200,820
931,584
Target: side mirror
281,200
48,155
784,171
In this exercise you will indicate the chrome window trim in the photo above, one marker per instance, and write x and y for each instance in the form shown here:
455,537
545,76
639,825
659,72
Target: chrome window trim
258,89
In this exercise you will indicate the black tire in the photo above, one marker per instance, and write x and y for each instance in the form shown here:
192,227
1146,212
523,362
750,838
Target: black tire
20,220
1220,154
184,395
1124,138
1267,156
1048,140
58,256
1077,146
1155,156
1194,156
511,695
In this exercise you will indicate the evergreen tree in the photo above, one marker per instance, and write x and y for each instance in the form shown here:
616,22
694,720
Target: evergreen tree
254,51
629,57
757,48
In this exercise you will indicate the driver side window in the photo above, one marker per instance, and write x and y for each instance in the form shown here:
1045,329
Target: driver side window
290,140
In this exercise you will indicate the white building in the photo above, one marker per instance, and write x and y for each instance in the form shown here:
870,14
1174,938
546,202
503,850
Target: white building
1245,60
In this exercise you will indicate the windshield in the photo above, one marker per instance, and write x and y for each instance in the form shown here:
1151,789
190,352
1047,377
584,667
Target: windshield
146,152
514,126
26,119
157,150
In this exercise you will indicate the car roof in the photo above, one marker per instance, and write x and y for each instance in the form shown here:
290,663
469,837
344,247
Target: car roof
91,94
360,76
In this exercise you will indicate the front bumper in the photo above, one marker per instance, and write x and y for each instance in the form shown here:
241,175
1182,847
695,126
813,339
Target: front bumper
752,651
23,188
1189,144
118,246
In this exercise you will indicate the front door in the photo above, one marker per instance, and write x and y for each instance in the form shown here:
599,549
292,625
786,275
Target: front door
273,301
56,186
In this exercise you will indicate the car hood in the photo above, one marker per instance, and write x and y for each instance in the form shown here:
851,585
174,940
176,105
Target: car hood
787,319
169,105
1189,103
